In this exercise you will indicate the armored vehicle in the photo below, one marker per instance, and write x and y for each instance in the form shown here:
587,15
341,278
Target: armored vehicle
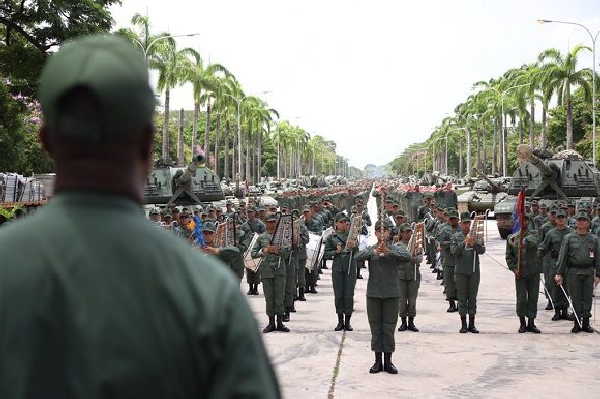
485,194
161,185
563,176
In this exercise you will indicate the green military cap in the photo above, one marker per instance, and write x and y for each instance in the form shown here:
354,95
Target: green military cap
452,213
113,70
341,217
251,209
554,210
583,215
271,218
560,213
212,209
242,204
405,227
306,210
209,227
465,217
386,225
167,214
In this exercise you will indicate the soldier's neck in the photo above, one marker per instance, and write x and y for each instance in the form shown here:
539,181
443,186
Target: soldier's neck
104,177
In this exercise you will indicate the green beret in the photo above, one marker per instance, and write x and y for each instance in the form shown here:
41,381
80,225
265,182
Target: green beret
114,71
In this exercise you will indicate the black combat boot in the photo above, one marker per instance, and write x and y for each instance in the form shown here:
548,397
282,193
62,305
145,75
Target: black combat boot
452,308
347,325
271,326
359,276
388,365
411,325
586,325
403,326
255,290
439,275
301,296
531,326
549,306
576,328
280,326
557,316
340,324
286,316
569,316
378,365
463,324
472,327
250,290
523,327
292,308
313,290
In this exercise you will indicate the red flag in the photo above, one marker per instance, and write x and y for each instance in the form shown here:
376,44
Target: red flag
519,212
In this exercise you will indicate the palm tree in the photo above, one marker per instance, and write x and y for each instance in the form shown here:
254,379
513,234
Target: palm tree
171,65
560,73
205,80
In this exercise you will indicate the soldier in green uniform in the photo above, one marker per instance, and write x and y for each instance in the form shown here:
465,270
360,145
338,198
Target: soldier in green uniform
445,239
273,275
343,270
227,255
117,302
579,264
547,261
410,280
313,224
548,251
383,295
541,217
526,268
252,226
466,249
301,254
571,219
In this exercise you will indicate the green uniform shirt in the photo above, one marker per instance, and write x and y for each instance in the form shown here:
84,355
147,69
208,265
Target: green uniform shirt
342,260
272,265
467,259
384,280
579,252
552,243
530,264
98,303
445,239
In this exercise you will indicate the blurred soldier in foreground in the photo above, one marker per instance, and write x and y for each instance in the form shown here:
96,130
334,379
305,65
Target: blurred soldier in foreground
121,309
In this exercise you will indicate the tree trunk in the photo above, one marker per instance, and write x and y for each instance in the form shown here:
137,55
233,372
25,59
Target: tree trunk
217,137
521,131
544,125
484,152
165,132
505,149
478,156
494,148
180,153
207,129
195,126
569,119
248,154
532,120
468,166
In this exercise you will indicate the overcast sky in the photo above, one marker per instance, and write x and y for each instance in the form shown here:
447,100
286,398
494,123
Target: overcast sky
375,76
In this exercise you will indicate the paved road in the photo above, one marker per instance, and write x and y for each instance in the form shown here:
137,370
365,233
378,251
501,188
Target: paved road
313,361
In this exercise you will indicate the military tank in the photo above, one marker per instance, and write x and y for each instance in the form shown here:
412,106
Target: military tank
565,176
485,194
162,185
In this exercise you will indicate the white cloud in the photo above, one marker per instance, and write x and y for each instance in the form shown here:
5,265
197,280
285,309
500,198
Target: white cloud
375,75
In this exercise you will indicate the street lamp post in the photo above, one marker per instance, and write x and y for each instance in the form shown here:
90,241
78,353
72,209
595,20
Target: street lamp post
594,38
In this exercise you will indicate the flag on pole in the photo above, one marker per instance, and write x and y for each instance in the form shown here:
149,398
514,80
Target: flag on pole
519,212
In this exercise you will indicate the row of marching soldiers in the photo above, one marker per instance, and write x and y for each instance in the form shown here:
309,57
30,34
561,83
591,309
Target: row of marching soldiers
561,244
453,252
